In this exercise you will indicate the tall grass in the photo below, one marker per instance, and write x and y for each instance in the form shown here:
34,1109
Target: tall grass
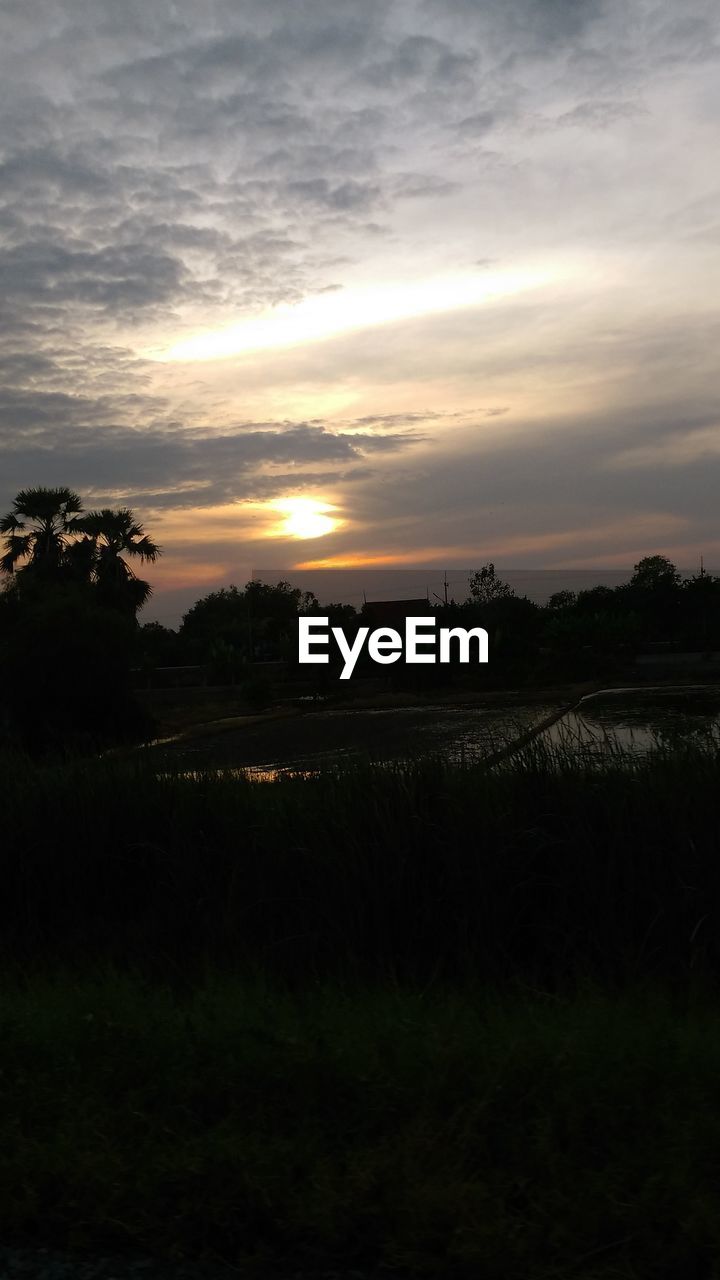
544,866
459,1021
447,1134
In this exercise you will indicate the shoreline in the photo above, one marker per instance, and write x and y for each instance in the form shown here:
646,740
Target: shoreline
567,697
388,701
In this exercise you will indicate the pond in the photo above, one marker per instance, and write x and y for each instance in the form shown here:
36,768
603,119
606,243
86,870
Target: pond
638,720
633,720
321,739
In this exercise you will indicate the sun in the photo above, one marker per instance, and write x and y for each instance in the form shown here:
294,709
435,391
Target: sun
305,518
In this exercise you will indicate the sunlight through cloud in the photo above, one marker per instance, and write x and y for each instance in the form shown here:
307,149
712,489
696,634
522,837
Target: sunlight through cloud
330,315
304,518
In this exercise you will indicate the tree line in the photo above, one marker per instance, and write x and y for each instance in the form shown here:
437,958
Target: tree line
74,651
575,635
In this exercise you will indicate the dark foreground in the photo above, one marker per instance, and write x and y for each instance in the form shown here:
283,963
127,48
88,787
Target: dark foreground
439,1132
57,1264
426,1020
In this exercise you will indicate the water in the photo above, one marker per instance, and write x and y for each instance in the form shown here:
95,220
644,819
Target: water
634,720
639,720
317,740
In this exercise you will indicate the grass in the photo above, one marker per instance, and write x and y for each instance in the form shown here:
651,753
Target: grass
544,866
437,1131
461,1022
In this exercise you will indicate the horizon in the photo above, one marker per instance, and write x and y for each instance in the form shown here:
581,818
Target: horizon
352,586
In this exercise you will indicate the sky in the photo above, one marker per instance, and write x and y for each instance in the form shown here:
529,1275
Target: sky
317,283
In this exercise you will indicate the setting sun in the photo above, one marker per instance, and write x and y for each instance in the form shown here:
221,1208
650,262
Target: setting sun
305,518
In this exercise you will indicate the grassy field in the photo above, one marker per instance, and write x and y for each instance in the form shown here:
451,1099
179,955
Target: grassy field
462,1022
438,1132
545,867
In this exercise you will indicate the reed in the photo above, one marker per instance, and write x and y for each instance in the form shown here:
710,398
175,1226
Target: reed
556,862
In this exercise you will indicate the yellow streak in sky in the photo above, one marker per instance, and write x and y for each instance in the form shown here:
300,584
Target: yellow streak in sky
330,314
363,560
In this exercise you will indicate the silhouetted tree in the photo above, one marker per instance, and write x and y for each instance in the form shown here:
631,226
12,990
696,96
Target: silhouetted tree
38,530
655,571
562,600
485,586
700,611
110,537
68,622
338,615
598,600
257,622
654,593
157,646
70,661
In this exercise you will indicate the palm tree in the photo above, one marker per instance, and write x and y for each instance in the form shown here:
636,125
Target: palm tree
113,534
37,529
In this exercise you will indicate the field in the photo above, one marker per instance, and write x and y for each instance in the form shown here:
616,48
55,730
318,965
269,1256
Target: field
455,1021
442,1133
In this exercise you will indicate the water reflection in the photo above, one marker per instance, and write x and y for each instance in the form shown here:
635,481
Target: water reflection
639,720
321,740
252,773
611,722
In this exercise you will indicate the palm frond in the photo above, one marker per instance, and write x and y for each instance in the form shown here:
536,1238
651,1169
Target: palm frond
10,523
146,549
47,504
18,547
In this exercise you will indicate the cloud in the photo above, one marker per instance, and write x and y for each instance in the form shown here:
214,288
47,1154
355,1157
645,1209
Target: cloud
108,277
166,464
676,449
526,24
170,169
477,125
599,115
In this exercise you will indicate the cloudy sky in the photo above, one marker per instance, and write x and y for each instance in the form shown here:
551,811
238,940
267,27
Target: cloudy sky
405,282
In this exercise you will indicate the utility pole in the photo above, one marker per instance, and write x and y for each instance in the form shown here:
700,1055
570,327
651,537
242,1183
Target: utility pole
445,592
